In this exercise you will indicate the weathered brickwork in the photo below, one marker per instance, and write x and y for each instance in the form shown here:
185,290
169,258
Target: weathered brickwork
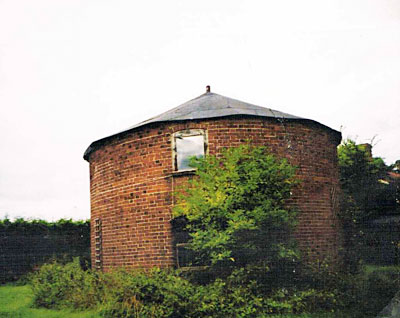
132,184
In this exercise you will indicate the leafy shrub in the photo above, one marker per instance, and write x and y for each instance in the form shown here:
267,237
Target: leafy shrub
286,301
153,294
236,209
167,293
363,197
376,290
56,285
366,292
161,293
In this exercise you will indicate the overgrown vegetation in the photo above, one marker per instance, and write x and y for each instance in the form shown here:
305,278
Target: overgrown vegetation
238,225
364,195
15,301
167,293
235,210
367,193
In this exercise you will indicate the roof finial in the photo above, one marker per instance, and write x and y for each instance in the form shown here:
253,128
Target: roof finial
208,88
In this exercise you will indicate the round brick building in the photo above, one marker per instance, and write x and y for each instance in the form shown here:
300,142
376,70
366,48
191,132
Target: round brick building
133,175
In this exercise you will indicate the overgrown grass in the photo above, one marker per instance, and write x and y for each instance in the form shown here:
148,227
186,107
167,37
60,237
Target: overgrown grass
16,301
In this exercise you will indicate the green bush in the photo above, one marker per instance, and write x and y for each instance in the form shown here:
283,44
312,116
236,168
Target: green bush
56,286
162,293
167,293
367,292
363,198
286,301
376,290
236,209
156,293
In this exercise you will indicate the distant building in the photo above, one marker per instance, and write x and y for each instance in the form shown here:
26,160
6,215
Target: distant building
133,175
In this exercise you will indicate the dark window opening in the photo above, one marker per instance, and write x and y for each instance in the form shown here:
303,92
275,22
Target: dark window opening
185,257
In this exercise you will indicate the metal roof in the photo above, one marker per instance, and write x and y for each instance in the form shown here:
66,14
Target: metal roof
211,105
208,105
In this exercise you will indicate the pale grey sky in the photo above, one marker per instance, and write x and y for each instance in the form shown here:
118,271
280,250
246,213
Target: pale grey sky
72,72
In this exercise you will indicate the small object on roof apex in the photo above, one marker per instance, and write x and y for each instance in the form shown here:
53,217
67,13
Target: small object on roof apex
208,88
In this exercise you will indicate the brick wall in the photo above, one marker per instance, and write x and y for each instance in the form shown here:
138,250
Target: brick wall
132,181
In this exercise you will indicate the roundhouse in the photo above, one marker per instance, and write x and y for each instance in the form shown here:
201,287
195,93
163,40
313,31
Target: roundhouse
133,175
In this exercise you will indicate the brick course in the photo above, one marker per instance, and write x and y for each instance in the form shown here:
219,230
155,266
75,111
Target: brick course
132,183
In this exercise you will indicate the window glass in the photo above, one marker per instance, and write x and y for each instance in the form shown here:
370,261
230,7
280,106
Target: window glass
187,147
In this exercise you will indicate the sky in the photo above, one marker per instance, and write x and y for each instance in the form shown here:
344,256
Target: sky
72,72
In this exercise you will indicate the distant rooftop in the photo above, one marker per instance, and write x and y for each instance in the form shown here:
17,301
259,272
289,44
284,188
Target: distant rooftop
207,105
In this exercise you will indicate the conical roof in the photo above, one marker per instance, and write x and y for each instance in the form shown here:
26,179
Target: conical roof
208,105
211,105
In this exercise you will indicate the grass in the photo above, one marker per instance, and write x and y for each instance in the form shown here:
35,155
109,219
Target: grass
16,302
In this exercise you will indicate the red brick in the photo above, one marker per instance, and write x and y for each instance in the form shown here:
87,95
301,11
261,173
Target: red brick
132,181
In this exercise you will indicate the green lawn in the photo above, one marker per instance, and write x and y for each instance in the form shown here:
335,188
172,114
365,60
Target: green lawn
16,301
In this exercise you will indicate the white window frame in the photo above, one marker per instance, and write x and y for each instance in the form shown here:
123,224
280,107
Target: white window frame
183,134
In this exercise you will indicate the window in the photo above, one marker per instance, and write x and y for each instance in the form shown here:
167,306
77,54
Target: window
187,144
185,257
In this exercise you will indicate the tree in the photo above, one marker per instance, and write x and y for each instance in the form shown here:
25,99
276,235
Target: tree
360,176
235,208
365,195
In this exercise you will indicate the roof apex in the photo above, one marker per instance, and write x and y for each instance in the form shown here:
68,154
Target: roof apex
212,105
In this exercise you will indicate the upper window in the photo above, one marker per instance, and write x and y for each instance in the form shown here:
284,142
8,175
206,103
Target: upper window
188,143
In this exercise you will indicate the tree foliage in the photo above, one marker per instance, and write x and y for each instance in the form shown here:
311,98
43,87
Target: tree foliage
366,194
235,209
37,226
360,174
